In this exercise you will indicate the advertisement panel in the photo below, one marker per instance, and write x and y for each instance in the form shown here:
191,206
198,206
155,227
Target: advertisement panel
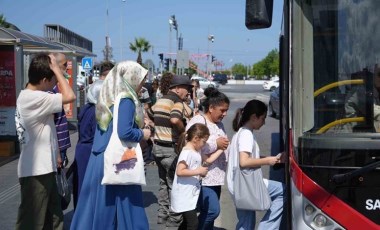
7,121
7,76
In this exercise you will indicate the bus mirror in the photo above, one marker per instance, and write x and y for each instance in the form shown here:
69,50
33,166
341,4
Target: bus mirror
258,14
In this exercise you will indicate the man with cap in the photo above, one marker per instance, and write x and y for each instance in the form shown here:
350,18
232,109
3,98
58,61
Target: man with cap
168,115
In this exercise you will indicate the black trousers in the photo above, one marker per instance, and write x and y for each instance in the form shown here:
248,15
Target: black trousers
190,220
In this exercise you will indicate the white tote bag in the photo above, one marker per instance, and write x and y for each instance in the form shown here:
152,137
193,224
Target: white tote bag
123,161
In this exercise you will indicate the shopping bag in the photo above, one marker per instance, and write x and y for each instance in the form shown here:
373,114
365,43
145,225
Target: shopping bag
123,161
250,191
64,190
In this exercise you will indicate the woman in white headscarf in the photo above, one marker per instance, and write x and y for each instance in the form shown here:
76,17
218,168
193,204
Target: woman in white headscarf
114,206
86,132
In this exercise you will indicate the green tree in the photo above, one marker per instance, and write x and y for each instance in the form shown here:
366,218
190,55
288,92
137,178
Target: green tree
269,66
140,45
239,69
258,69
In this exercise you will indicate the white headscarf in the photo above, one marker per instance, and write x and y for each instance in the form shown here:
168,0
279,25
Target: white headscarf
94,91
123,79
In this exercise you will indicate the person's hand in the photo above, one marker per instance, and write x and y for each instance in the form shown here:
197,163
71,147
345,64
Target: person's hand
59,161
272,160
148,122
283,157
202,171
146,133
196,111
222,143
53,64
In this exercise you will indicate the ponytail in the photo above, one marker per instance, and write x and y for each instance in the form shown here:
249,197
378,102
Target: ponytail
196,130
181,142
236,122
243,115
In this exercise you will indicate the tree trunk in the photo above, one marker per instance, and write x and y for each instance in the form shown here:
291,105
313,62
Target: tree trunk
139,59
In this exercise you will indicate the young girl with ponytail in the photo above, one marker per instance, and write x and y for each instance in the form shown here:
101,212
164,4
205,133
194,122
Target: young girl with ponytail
188,176
247,119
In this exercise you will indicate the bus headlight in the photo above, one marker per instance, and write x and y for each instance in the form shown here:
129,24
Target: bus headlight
309,209
320,220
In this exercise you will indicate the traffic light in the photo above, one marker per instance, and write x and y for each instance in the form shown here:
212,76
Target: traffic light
161,55
166,64
212,58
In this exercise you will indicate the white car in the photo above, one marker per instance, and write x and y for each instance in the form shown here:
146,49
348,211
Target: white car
271,85
204,83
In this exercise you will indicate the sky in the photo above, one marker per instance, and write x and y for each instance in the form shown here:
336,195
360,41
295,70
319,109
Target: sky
128,19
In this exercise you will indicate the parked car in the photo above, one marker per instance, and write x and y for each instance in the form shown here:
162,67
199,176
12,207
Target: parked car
274,103
220,78
271,85
204,83
239,77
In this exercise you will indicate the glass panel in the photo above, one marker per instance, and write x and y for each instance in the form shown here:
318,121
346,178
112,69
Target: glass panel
346,65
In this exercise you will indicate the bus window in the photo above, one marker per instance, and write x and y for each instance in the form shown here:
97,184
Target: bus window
346,73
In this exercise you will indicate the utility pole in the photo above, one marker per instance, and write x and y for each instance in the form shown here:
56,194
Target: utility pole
121,30
107,51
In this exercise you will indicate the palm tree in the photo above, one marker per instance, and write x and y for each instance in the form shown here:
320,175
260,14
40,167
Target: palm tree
140,45
3,21
5,24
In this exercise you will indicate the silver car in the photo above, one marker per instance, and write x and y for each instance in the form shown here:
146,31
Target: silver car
274,103
204,83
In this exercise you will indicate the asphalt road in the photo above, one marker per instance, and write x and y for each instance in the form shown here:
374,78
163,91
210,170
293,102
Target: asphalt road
267,137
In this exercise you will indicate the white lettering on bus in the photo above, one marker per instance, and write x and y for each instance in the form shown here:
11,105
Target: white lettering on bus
372,204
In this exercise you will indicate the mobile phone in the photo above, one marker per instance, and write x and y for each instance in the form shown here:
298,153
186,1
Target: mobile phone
279,155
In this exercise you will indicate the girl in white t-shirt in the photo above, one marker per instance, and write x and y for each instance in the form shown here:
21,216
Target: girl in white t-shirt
189,171
247,119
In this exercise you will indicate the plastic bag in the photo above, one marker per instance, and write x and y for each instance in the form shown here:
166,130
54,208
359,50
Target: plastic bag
64,190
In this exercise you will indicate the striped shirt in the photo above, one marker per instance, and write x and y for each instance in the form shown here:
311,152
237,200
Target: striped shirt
167,107
62,127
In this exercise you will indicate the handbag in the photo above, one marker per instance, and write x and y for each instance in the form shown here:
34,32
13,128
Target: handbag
250,191
64,190
123,160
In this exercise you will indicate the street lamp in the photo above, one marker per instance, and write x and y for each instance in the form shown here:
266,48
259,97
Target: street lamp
172,22
210,38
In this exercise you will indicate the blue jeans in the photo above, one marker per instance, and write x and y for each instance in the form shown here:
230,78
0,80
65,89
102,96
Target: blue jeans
272,218
209,206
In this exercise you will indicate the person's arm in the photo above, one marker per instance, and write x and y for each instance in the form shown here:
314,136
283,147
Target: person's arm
177,124
182,170
246,145
176,116
67,92
125,126
210,158
246,161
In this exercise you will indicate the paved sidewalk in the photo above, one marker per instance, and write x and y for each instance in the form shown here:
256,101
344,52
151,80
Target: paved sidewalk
10,197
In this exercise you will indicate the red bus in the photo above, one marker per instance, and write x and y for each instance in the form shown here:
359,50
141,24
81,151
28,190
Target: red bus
330,109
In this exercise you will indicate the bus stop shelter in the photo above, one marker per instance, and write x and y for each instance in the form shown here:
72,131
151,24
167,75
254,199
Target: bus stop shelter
16,50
